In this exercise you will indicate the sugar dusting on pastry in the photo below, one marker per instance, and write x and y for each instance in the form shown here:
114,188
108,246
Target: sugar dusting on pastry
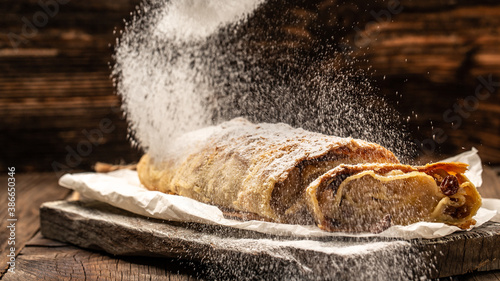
182,65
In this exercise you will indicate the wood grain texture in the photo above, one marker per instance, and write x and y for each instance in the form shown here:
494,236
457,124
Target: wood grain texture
425,60
48,259
491,183
483,276
436,59
29,197
56,84
65,261
70,263
96,225
465,252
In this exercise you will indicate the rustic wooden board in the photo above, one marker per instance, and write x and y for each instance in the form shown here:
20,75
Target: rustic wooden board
244,254
45,259
28,199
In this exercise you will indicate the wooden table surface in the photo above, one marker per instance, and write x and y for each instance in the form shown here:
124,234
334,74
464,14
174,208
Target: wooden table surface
38,258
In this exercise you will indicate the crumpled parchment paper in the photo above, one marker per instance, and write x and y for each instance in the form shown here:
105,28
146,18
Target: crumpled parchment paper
122,189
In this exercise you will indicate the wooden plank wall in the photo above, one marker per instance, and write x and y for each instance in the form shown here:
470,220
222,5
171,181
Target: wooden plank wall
56,84
443,57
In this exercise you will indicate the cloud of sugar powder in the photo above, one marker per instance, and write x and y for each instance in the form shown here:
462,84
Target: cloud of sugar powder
184,65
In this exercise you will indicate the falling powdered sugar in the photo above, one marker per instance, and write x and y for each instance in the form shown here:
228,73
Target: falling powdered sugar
158,70
185,65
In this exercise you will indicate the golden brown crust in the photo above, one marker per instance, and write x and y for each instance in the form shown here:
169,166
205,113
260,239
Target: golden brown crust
237,165
395,189
264,171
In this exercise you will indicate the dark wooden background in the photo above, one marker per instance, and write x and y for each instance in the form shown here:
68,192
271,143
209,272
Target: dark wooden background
424,59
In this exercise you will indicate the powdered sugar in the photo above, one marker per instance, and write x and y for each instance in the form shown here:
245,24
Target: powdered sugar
184,65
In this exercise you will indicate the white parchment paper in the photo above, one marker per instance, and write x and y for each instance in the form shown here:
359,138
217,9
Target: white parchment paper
122,189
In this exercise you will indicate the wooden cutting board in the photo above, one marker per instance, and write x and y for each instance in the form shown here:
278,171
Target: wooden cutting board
240,254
